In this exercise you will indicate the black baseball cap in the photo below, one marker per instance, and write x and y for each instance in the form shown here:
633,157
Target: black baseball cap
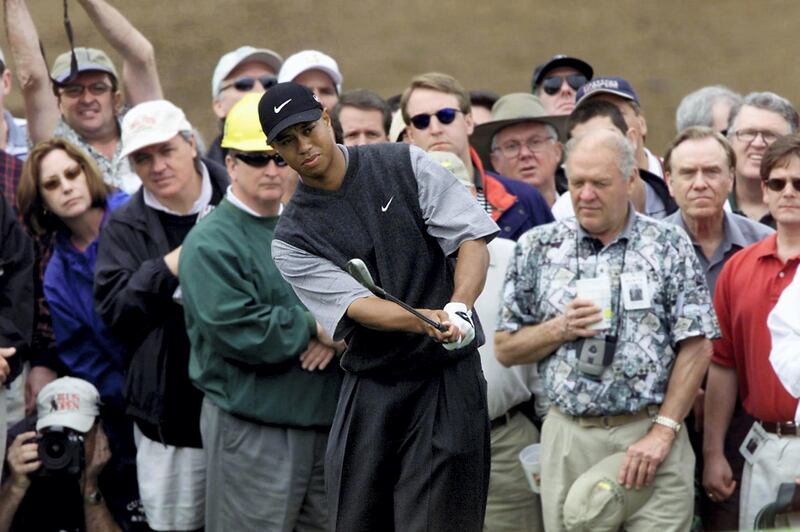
285,105
558,61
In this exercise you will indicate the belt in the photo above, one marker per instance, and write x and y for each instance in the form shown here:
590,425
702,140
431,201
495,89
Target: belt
609,422
786,428
503,419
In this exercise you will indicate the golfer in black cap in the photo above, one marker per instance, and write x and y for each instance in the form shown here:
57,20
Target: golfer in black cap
408,449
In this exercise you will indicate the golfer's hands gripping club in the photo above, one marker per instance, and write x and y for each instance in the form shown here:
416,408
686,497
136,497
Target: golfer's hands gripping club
459,315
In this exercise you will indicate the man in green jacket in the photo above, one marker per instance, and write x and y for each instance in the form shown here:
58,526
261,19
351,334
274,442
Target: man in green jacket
260,358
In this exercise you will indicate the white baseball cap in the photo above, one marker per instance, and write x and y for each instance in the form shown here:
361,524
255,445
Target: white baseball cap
306,60
228,62
67,402
151,123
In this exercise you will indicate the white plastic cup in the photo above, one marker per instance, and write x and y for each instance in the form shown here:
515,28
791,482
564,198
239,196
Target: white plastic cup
529,458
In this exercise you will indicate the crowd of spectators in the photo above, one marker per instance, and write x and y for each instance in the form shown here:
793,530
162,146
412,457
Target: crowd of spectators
185,344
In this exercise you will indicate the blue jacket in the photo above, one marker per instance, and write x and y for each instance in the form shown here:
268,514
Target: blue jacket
527,212
84,344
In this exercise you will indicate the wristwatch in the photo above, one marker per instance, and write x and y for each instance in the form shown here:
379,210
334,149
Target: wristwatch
94,498
664,421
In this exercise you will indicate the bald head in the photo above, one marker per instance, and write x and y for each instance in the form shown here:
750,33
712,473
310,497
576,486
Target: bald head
605,139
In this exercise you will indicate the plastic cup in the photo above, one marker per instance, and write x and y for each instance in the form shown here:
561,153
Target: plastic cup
529,458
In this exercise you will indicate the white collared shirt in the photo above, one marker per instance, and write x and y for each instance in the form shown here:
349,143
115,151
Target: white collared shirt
784,327
654,165
236,202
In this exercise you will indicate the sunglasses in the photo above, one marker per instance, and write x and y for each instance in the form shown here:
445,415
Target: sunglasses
552,84
444,116
246,83
75,90
777,184
260,160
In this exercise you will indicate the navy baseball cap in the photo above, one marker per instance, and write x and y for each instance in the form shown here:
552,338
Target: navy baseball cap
558,61
608,85
286,105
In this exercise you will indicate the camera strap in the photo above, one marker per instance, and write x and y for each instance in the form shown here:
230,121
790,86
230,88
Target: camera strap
73,67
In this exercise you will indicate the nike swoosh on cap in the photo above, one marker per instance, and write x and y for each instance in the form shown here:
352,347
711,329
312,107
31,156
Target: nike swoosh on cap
281,106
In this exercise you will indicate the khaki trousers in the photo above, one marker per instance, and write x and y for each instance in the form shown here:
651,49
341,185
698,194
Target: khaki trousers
511,506
777,460
568,450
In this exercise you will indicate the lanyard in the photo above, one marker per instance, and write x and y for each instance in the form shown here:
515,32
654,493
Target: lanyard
621,270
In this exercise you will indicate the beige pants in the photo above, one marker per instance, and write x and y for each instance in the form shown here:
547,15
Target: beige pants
568,450
777,460
511,506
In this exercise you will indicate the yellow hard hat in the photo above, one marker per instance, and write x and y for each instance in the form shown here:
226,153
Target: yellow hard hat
243,128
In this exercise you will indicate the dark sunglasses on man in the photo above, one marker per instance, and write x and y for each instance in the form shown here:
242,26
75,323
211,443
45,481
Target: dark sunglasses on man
444,116
777,184
552,84
260,160
246,83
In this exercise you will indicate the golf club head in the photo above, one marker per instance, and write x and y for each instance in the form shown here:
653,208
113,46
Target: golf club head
358,271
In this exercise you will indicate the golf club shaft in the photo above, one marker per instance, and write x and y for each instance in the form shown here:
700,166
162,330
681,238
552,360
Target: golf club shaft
435,324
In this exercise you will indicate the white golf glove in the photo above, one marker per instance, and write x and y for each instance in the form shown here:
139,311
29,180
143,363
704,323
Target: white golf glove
460,316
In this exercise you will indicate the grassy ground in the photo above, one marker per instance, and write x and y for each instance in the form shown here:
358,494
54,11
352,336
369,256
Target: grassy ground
665,49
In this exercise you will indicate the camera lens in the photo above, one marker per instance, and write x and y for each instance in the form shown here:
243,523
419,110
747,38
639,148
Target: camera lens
53,451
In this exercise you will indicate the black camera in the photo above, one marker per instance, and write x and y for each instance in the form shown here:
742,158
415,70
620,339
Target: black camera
595,355
61,452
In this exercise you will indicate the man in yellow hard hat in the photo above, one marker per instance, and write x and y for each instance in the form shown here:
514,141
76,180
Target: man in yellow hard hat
259,356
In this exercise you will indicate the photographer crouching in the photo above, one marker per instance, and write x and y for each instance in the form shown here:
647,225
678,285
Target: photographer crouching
54,472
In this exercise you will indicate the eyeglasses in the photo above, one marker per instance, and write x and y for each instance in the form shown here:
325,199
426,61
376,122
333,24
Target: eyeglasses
552,84
70,174
260,160
76,90
246,83
778,184
749,135
511,150
444,116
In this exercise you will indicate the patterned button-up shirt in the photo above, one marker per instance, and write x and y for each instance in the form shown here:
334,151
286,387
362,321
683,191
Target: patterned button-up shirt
117,171
541,281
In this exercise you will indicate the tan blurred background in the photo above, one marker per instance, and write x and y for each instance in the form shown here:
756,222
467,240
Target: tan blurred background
665,49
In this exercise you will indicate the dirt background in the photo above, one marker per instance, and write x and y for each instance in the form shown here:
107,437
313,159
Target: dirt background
665,49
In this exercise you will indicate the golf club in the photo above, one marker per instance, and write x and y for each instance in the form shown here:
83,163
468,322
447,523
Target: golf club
358,271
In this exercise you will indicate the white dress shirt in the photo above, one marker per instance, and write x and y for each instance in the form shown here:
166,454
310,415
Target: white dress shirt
784,326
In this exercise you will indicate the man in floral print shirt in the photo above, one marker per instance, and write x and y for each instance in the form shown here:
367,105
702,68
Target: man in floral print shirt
657,324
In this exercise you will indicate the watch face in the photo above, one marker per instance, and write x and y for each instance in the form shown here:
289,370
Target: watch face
94,498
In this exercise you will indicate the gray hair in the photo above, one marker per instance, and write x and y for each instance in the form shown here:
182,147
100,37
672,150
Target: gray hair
612,140
695,108
188,136
552,133
768,101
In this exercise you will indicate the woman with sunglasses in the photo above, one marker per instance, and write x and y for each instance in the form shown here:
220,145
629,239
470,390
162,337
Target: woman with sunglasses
62,194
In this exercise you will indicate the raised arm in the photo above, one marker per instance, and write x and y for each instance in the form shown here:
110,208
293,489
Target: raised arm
139,72
41,107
